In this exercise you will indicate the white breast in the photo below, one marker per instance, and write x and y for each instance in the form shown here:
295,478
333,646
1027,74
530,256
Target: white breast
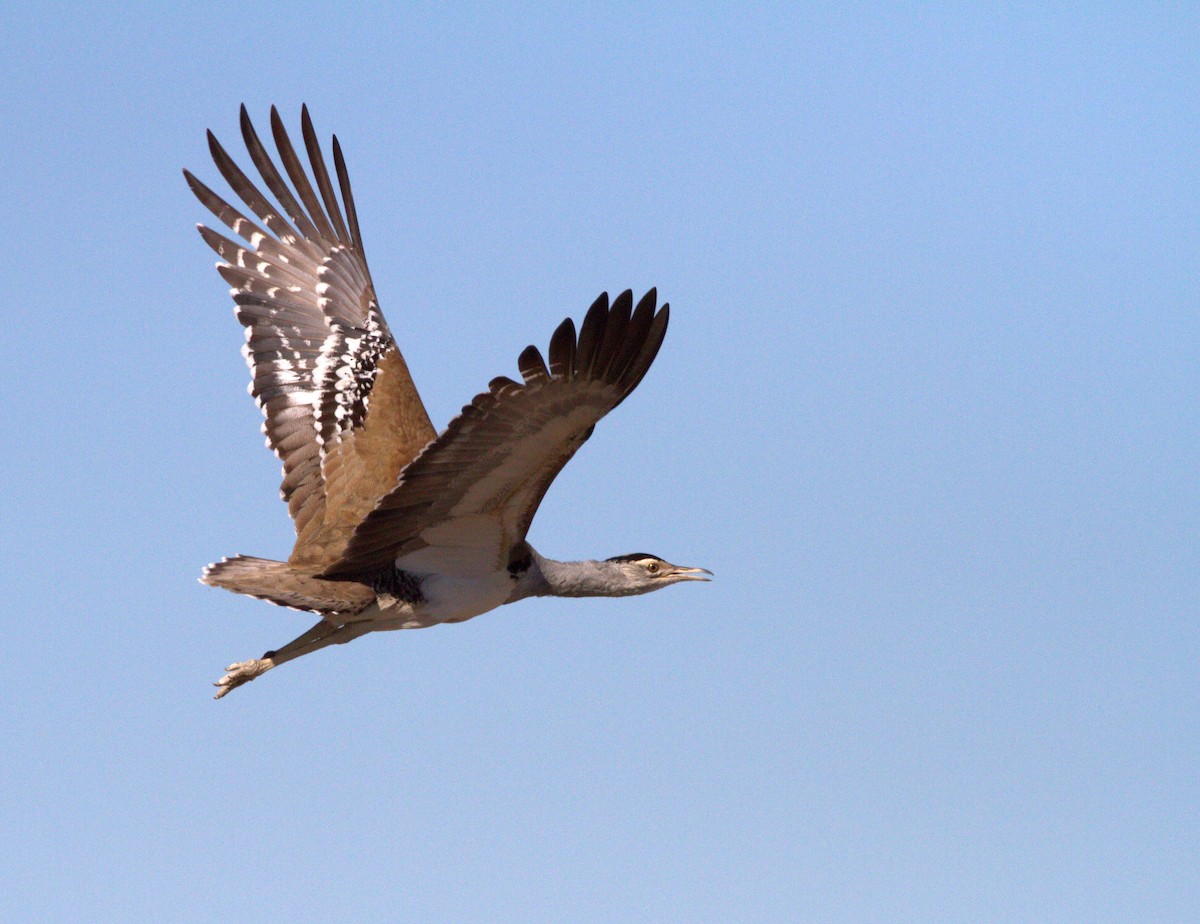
453,599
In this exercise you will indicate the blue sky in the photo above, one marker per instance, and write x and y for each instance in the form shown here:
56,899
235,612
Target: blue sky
927,407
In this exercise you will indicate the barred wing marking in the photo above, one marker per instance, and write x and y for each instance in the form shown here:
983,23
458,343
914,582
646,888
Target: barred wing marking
326,371
464,506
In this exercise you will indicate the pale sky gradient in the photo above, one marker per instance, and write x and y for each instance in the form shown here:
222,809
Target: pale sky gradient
927,407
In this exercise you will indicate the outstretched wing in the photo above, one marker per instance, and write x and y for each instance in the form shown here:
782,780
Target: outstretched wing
465,504
341,409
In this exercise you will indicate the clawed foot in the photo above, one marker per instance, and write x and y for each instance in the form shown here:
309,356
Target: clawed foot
242,672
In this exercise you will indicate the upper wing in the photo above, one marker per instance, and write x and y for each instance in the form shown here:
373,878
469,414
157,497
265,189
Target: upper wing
464,505
341,410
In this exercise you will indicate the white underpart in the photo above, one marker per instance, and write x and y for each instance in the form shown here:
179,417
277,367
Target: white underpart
388,615
450,599
459,571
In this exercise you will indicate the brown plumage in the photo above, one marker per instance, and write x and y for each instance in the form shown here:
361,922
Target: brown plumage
280,583
381,503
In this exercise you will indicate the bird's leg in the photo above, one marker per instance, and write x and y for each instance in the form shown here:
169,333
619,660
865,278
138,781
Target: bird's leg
322,634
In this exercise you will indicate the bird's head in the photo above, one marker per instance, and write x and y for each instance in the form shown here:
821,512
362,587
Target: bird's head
641,572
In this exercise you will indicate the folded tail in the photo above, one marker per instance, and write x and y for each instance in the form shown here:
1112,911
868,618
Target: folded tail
277,582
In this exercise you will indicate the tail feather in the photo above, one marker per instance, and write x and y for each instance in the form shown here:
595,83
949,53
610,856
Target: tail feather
279,583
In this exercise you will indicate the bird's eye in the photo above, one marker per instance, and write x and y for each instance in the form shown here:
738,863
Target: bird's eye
652,567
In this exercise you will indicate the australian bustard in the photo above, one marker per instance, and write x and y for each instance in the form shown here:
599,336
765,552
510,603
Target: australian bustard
397,526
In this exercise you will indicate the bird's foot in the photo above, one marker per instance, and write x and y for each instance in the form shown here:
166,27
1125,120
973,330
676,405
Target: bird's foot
242,672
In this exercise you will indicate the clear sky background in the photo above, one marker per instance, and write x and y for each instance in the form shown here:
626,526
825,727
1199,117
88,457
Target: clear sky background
927,407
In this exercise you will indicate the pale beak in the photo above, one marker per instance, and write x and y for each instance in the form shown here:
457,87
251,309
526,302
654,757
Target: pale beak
689,574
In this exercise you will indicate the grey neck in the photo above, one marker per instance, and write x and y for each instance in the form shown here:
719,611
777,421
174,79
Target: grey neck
546,577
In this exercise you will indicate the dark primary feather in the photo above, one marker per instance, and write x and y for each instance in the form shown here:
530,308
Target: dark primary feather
296,173
317,159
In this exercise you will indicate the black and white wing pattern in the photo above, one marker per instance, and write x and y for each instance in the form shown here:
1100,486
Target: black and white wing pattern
341,409
464,505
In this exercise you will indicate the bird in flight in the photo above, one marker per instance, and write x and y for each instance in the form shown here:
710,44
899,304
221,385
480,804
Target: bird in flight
398,526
